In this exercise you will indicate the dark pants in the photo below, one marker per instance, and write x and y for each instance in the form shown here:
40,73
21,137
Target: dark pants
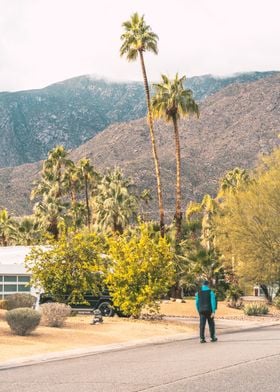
203,317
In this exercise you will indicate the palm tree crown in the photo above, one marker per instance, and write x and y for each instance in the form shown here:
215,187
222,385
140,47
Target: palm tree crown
172,101
233,180
115,204
138,37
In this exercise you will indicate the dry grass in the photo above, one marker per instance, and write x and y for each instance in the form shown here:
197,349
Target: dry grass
78,333
188,309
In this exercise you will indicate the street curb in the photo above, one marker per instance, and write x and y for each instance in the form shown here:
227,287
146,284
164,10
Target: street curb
77,353
80,353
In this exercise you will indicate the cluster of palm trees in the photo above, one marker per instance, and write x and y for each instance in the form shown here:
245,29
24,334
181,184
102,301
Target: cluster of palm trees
62,192
170,102
76,195
70,196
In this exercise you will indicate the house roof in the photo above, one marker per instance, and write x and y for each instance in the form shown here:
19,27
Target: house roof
13,254
12,259
13,269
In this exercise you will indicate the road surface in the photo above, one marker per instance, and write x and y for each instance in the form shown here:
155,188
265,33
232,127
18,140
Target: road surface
246,361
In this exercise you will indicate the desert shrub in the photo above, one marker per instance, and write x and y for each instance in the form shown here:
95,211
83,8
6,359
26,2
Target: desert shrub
234,294
23,321
23,300
3,304
54,314
276,302
255,309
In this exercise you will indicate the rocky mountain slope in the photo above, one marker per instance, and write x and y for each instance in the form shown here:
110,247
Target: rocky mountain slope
71,112
236,125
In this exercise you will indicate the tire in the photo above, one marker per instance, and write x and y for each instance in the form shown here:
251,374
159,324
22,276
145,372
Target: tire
106,309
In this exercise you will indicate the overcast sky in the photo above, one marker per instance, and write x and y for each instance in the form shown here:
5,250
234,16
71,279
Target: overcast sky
44,41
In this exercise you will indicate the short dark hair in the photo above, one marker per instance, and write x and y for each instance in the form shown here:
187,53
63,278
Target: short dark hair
205,282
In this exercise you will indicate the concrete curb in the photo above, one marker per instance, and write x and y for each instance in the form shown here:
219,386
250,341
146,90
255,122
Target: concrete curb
78,353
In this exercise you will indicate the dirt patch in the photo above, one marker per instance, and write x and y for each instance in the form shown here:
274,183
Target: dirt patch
188,309
78,333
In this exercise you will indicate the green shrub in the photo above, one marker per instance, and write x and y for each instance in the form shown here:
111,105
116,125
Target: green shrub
276,302
23,321
23,300
255,309
234,294
3,304
54,314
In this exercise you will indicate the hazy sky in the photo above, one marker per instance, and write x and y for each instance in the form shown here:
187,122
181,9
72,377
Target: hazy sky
44,41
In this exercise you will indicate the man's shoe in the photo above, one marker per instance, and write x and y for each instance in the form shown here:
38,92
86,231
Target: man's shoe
214,339
202,341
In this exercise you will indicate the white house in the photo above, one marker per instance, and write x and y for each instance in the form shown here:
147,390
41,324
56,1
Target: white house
13,275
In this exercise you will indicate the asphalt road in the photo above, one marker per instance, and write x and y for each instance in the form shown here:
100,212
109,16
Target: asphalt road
245,361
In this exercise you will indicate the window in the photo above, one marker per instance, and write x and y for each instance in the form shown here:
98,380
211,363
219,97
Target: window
23,288
24,279
10,284
10,287
10,278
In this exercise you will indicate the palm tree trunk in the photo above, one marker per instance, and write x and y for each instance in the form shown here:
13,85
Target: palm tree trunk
154,149
53,228
87,202
178,212
4,240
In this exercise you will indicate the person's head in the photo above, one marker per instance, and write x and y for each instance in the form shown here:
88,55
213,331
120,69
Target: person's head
205,283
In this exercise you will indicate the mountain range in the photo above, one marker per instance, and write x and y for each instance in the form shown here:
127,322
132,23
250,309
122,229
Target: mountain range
236,125
73,111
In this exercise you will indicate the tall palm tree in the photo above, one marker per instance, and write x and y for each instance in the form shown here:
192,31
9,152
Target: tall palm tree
114,204
51,189
208,208
72,185
137,39
89,180
171,102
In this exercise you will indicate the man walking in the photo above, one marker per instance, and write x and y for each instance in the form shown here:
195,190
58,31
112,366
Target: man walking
206,305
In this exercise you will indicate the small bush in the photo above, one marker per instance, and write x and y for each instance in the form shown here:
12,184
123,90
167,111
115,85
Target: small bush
3,304
255,309
23,321
54,314
276,302
23,300
234,294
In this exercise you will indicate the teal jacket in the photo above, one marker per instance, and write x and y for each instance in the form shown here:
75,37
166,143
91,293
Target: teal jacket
212,298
